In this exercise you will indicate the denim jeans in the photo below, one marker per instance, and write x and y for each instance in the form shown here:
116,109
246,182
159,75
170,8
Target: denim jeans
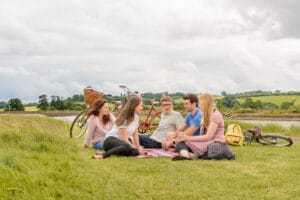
147,142
98,145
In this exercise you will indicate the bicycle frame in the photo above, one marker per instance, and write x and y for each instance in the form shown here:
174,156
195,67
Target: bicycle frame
148,123
267,139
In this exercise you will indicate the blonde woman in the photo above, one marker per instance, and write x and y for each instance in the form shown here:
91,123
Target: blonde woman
126,126
212,132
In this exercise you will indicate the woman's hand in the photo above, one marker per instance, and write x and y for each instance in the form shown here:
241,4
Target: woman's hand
182,137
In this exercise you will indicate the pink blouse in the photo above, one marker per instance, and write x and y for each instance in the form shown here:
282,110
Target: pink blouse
96,131
201,147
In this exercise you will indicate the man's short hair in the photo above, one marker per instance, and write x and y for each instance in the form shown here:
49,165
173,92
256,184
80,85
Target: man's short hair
166,98
192,97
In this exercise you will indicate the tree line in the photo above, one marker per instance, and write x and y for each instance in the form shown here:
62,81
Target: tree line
229,101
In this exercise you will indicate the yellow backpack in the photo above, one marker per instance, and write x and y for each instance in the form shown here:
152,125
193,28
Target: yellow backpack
234,135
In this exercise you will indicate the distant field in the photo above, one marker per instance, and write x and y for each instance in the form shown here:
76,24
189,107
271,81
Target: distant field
31,108
274,99
1,109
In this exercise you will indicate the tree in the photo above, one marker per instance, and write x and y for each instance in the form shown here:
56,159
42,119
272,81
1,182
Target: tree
228,101
3,104
14,105
223,93
43,102
57,103
286,104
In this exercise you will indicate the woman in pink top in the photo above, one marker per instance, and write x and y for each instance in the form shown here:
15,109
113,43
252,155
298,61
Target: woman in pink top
99,123
212,131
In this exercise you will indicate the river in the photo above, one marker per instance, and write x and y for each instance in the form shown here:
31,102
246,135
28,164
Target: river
257,122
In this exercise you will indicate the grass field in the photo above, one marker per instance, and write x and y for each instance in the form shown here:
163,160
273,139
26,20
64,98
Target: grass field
39,161
275,99
31,108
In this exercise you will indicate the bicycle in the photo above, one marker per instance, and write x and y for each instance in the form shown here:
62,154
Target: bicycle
150,121
255,134
79,124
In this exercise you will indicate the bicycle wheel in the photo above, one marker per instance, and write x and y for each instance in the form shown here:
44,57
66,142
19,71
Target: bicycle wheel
275,140
79,125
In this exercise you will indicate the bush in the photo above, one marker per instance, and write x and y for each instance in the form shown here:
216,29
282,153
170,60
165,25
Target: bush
295,109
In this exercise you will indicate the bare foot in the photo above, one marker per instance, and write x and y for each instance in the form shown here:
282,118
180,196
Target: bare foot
166,145
97,156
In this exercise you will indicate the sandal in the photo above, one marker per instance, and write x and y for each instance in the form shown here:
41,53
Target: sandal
176,158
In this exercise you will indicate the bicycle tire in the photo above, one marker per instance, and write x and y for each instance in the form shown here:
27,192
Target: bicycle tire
275,140
79,125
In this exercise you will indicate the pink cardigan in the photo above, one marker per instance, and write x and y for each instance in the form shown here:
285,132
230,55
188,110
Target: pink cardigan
96,130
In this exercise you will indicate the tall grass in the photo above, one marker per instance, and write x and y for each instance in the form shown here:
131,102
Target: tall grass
39,161
293,131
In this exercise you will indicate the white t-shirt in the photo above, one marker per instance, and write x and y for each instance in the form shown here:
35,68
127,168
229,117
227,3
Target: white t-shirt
115,132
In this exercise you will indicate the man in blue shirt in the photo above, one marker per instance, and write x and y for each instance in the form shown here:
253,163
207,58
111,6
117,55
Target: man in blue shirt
191,125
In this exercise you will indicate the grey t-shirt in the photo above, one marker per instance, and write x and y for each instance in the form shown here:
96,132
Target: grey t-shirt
169,122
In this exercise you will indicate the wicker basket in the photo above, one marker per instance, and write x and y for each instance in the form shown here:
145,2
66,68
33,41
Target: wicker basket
91,95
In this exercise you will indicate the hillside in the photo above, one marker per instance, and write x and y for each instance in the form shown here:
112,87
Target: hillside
276,99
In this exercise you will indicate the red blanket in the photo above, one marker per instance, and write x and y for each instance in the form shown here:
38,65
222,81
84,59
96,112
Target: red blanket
158,153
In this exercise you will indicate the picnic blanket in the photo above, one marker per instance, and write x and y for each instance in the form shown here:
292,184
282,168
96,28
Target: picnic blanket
158,153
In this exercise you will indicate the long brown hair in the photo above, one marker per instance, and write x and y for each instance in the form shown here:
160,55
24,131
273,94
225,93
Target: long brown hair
127,113
208,106
94,110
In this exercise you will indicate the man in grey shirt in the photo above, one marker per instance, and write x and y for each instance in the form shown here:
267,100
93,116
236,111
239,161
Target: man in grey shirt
170,121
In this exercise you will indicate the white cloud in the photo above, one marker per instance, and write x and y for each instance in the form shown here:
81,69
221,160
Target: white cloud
59,47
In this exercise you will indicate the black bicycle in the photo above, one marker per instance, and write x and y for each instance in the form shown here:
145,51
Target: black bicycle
272,139
79,124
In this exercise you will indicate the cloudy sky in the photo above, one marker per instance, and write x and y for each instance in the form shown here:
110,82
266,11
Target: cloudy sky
58,47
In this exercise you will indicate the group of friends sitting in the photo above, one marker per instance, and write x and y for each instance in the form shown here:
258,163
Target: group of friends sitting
199,135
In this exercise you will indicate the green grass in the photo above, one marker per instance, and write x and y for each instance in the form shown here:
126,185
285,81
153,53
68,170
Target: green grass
275,99
39,161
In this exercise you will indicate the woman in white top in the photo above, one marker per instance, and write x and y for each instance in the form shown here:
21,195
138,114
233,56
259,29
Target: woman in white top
126,126
99,123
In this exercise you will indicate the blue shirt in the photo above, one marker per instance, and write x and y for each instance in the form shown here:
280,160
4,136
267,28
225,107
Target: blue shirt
194,120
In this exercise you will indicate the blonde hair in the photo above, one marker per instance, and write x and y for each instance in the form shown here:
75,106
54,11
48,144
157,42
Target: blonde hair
208,103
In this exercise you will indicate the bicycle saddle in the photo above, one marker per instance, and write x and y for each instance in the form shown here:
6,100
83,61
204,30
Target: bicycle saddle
255,130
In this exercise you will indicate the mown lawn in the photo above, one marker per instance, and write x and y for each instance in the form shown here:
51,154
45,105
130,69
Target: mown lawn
39,161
